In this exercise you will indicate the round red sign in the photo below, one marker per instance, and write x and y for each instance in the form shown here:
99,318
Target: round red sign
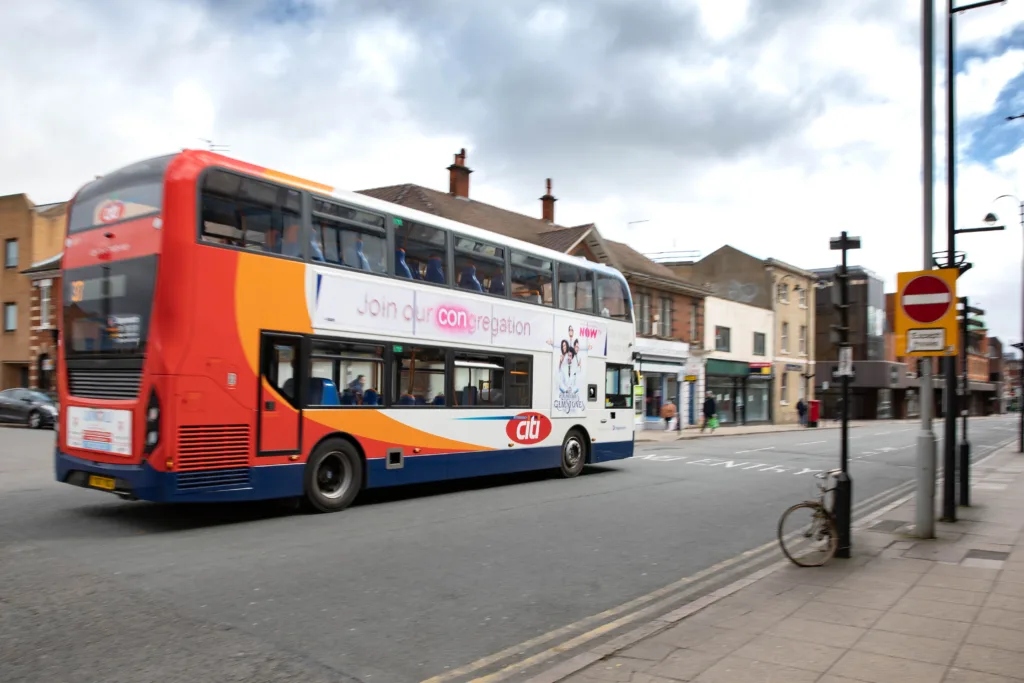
926,299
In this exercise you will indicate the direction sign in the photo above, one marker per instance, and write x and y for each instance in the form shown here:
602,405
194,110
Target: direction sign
926,313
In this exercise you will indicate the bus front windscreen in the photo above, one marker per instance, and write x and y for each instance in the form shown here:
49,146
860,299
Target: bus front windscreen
107,307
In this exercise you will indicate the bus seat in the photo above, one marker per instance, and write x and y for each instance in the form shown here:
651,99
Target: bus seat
435,272
288,389
438,400
348,398
470,396
497,284
468,280
406,400
420,401
327,389
401,267
371,398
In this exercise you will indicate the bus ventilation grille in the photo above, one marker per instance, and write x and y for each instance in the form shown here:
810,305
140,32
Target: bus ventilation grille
112,384
213,447
190,481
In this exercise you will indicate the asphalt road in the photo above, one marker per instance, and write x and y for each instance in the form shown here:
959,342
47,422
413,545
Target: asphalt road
406,585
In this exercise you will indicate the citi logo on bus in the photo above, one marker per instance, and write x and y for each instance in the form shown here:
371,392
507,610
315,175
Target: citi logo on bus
528,428
110,211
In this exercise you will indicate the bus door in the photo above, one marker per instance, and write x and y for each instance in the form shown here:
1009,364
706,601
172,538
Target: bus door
281,385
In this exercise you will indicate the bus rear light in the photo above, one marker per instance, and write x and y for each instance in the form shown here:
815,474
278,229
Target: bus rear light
152,423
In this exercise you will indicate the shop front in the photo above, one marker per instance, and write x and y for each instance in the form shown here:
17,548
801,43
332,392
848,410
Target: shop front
661,365
742,391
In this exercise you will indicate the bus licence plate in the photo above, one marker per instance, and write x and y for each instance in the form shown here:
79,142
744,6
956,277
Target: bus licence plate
105,483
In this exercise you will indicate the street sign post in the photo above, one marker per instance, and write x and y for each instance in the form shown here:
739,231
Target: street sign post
926,323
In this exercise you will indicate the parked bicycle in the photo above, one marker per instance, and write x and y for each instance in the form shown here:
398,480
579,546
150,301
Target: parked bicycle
807,531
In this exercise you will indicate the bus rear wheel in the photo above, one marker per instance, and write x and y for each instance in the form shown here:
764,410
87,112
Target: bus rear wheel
334,473
574,454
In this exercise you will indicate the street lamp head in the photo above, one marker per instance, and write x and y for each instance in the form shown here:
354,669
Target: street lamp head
844,242
991,218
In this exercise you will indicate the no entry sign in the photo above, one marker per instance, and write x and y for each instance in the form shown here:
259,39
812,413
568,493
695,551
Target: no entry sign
926,299
926,313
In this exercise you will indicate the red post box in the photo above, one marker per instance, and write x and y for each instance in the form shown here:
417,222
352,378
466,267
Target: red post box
813,413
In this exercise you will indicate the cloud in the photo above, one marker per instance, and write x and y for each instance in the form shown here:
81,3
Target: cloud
767,124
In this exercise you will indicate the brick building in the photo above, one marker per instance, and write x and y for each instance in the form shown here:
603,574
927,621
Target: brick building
668,310
30,234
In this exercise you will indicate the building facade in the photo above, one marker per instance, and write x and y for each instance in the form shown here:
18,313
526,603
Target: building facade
29,234
739,371
794,369
668,310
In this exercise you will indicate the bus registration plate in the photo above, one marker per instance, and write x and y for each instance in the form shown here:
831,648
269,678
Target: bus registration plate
100,429
105,483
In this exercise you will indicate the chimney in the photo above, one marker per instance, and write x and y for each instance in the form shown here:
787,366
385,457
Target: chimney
547,206
458,176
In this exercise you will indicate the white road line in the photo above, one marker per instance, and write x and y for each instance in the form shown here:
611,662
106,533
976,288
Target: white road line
809,443
754,450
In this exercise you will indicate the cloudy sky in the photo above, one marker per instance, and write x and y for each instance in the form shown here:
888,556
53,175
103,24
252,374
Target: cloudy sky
770,125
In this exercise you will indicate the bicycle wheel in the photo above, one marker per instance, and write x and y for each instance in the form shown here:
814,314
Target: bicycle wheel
808,534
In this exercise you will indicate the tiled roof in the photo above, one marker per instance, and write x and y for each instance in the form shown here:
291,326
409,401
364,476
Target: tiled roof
563,239
469,211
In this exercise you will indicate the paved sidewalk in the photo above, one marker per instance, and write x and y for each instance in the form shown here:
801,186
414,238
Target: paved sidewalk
902,610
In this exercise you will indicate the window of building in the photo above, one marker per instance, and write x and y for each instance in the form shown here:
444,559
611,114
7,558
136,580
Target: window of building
519,381
346,374
618,386
11,254
349,237
722,342
803,297
479,266
421,252
783,293
44,305
784,338
643,313
575,288
532,279
803,340
759,339
784,387
613,297
10,317
694,314
419,374
479,380
251,214
666,317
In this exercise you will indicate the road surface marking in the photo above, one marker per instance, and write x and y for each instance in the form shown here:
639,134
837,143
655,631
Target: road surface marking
810,443
755,450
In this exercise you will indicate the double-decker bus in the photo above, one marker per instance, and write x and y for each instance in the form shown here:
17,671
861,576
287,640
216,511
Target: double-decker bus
234,333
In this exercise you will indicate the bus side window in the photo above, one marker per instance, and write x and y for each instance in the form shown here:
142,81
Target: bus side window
532,279
250,214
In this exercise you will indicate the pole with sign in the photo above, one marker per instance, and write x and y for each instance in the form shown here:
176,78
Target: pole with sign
926,326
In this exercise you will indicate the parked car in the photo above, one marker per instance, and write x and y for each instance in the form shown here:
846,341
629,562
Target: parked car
28,407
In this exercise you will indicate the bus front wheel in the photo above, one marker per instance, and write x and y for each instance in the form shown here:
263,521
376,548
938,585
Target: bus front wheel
574,453
333,476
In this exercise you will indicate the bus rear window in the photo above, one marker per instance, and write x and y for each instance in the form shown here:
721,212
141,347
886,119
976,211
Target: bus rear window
130,192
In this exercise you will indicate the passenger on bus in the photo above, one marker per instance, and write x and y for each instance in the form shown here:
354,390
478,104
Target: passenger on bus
292,246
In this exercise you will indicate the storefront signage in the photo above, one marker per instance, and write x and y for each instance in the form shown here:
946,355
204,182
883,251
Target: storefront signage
690,378
760,368
793,367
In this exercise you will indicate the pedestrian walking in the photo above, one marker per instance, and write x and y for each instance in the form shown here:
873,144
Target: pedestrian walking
801,411
668,411
709,410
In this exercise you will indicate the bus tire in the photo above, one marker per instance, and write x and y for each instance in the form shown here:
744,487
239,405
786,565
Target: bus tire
574,454
333,476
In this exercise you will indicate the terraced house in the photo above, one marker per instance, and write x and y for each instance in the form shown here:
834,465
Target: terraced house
668,310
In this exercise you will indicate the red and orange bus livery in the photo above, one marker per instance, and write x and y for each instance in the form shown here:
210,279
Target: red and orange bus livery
233,333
